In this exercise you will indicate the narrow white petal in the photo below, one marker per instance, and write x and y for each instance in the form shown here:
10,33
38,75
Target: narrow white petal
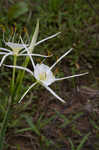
50,37
27,91
4,57
5,49
39,42
77,75
38,55
33,64
19,67
53,93
61,58
2,53
22,52
32,61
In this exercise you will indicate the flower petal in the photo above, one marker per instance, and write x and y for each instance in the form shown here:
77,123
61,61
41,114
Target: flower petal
27,91
4,49
32,61
3,53
22,52
50,37
38,55
61,58
39,42
53,93
4,57
77,75
15,46
19,67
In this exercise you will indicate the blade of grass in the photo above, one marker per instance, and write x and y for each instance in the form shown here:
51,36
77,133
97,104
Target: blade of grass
94,124
43,123
71,143
4,124
32,125
23,130
83,141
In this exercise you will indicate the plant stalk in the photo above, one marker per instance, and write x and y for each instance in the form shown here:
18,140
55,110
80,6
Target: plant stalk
13,76
10,107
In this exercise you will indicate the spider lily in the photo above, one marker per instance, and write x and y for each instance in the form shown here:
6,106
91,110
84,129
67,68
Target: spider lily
44,76
18,49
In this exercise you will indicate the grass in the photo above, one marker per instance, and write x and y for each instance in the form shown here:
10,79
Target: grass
41,122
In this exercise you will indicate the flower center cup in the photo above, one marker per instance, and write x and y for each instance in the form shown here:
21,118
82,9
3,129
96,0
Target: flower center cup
15,47
43,74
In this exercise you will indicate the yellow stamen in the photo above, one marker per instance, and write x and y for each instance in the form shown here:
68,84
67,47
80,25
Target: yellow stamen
42,76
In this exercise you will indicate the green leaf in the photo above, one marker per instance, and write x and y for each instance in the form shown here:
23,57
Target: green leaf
42,123
23,130
83,141
94,124
17,10
32,125
34,38
71,143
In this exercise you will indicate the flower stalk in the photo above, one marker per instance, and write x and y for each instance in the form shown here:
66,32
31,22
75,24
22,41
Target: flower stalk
13,76
10,107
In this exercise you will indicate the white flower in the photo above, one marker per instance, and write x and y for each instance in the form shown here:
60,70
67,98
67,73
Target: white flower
19,49
44,76
16,48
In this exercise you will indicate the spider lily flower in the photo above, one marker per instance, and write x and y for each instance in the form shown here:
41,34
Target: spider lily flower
18,49
44,76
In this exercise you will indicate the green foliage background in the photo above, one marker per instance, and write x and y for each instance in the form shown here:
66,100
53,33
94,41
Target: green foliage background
79,27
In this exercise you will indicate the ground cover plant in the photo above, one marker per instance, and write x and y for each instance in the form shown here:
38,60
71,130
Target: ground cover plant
40,121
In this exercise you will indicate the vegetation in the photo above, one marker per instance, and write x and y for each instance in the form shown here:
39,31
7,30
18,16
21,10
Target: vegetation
40,121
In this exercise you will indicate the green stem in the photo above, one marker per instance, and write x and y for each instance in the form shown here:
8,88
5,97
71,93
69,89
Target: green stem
13,76
10,106
20,77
